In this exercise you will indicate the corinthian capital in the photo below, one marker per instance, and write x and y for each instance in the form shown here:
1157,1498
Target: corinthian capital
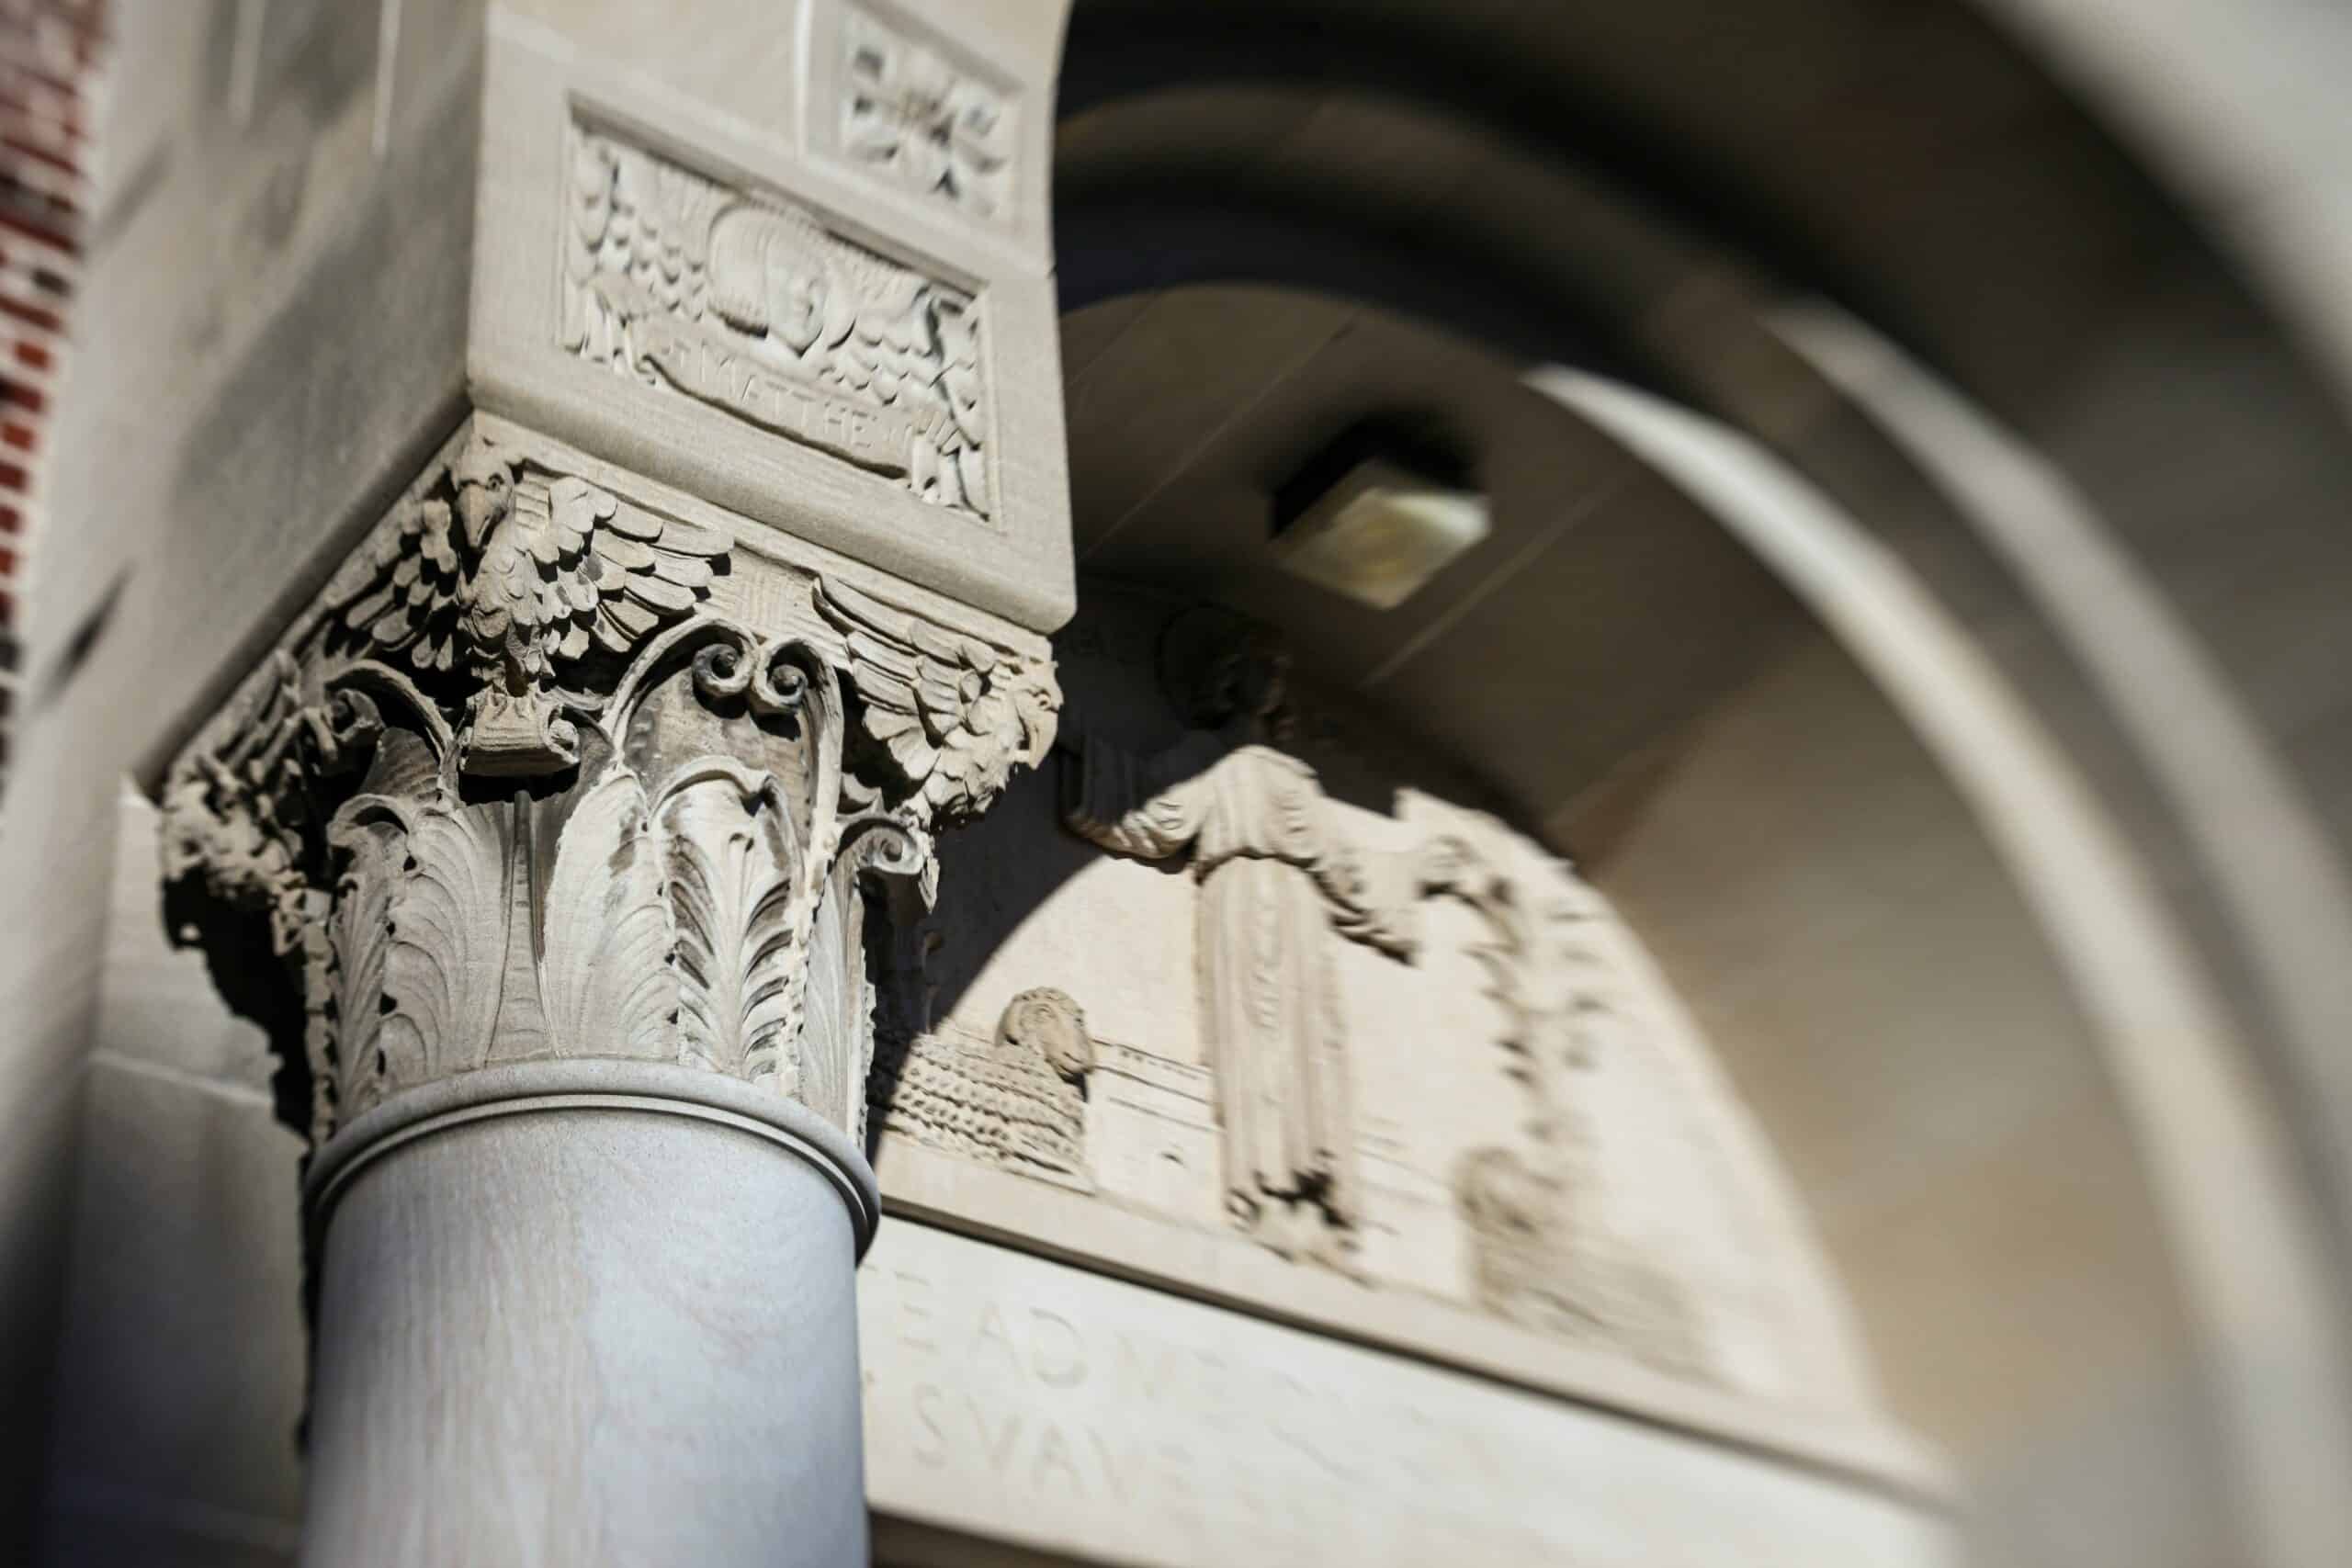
549,774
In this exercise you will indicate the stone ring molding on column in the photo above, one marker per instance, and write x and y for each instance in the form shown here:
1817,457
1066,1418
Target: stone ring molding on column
549,776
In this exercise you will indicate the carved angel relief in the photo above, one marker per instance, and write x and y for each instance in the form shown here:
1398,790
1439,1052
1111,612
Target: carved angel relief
516,791
749,303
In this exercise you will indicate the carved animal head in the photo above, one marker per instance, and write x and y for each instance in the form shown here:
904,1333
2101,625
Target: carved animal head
485,486
1048,1021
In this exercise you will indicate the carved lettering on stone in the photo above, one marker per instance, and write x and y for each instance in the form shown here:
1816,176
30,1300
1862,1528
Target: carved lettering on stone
751,304
922,122
514,789
1015,1100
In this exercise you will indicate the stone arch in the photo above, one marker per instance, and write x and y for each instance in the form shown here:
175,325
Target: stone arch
1636,223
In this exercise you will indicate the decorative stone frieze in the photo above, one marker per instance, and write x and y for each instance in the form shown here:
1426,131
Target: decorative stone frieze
525,785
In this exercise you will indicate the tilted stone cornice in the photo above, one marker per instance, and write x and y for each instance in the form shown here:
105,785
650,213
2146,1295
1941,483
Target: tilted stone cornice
540,776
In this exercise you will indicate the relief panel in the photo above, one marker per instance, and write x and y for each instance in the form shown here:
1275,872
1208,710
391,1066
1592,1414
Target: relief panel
912,113
754,305
1397,1052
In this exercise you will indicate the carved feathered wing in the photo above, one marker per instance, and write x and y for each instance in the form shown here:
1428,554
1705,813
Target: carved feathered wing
638,217
948,707
574,570
402,593
590,571
907,346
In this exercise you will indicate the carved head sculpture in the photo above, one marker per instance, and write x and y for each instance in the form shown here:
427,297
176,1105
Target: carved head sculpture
1048,1021
485,486
1215,666
771,272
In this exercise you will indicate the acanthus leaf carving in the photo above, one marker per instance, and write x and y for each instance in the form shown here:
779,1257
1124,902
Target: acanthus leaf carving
610,935
731,850
887,854
368,833
442,972
514,789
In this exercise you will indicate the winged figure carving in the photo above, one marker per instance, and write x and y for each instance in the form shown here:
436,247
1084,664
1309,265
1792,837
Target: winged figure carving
954,712
514,575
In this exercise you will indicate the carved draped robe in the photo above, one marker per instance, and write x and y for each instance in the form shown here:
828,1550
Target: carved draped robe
1277,875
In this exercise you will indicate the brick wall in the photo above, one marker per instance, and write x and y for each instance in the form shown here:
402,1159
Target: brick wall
48,50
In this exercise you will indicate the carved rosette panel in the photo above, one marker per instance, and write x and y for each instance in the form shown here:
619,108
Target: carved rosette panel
919,119
749,303
517,790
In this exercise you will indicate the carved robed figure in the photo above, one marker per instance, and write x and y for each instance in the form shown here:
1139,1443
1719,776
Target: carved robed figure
1278,875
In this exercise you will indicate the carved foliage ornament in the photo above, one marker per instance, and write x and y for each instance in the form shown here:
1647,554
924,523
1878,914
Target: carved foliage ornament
912,115
1543,1254
748,303
516,790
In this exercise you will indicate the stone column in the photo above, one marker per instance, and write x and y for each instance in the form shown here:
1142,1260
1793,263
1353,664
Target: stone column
544,843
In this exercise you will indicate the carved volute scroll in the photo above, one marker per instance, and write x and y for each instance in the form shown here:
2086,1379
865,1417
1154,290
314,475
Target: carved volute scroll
517,788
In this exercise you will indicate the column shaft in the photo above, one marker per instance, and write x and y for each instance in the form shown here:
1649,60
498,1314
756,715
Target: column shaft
587,1335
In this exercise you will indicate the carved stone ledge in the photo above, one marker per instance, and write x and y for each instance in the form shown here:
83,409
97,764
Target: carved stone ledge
518,789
